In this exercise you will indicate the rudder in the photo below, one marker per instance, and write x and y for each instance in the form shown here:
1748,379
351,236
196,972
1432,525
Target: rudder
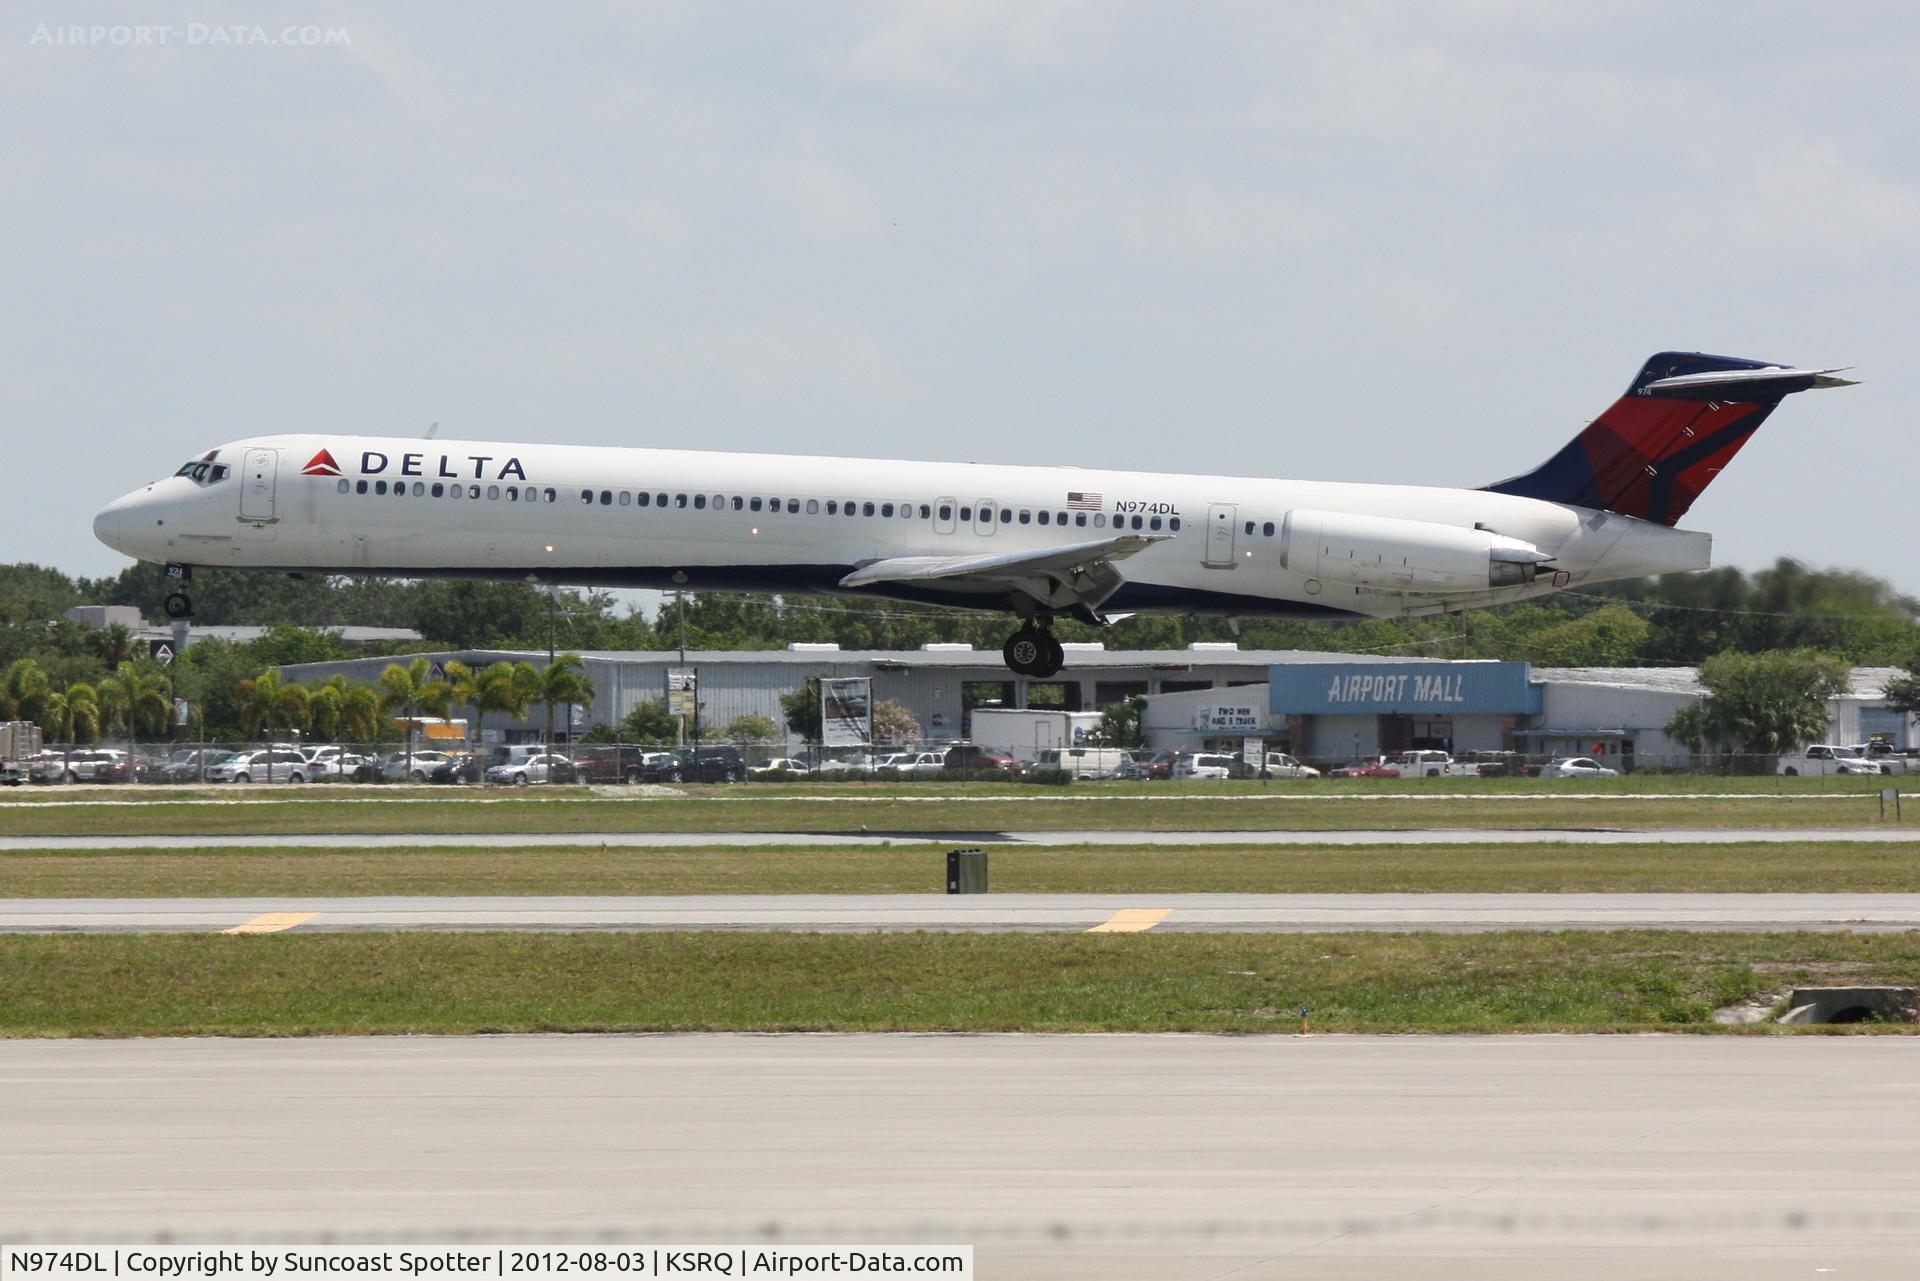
1653,452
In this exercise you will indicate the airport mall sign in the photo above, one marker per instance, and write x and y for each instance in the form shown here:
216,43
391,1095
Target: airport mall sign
1389,689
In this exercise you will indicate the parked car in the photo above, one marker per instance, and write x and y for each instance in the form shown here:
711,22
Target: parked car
1084,762
1427,762
895,763
1210,765
848,765
1281,765
334,763
459,767
707,765
973,758
188,764
611,762
92,765
1577,767
1365,769
548,767
397,767
1827,758
777,765
270,765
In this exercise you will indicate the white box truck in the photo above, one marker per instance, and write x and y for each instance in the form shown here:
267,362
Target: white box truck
1025,734
19,744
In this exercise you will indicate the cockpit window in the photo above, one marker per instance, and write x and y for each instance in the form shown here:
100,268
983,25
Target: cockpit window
201,472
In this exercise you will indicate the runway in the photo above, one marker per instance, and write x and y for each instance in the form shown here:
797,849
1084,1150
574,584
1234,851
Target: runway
1166,1157
862,837
980,913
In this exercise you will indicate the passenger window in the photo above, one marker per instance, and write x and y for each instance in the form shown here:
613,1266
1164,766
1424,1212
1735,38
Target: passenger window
1249,527
473,491
438,489
626,499
493,492
344,486
738,502
793,506
846,509
1006,515
360,487
925,511
1026,517
1173,523
453,491
719,501
1267,529
645,500
1080,519
699,502
1045,517
551,496
833,508
866,509
679,500
513,493
754,505
1099,520
1154,523
606,498
1136,522
661,500
379,486
886,509
946,512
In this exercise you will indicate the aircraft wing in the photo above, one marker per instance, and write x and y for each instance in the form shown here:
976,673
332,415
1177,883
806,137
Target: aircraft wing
1077,576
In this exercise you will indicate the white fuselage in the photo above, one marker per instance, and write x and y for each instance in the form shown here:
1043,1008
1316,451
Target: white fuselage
774,523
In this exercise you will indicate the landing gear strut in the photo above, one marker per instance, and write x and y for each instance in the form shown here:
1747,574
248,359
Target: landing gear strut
1033,652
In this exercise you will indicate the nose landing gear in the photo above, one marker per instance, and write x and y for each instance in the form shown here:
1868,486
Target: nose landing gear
179,605
1033,652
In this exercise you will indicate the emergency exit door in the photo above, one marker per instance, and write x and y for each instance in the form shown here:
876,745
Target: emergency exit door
1220,522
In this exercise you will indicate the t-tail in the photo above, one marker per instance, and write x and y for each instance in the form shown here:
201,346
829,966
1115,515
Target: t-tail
1660,445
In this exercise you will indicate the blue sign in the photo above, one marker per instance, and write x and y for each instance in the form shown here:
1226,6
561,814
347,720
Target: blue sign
1402,689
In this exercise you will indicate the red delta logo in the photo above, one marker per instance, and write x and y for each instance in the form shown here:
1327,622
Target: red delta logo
321,464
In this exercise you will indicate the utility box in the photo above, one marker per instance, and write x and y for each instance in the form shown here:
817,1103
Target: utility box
966,871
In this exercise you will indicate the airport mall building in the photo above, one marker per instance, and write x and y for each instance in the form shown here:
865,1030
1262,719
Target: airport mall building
1320,706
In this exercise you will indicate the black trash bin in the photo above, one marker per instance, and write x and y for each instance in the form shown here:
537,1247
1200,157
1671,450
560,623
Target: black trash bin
966,871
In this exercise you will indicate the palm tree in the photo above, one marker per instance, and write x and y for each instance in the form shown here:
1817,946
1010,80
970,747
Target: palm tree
146,698
360,713
56,720
82,712
116,644
267,700
498,687
25,688
564,680
402,688
325,702
112,699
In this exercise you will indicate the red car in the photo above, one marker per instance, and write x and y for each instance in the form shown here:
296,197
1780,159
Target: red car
1371,769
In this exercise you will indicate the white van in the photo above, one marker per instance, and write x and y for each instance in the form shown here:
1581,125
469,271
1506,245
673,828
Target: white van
1085,762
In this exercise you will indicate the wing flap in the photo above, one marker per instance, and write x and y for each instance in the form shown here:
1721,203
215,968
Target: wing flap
1077,577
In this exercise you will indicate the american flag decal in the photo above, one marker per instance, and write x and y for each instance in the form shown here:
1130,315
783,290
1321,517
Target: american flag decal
1081,502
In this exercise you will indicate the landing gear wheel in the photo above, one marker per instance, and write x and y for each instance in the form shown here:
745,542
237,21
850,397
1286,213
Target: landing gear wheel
179,605
1025,651
1056,657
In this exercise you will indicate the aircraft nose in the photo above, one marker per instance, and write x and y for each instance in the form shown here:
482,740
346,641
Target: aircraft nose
114,525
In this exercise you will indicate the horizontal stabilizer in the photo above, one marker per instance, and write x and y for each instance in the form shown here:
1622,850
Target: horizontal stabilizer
1735,380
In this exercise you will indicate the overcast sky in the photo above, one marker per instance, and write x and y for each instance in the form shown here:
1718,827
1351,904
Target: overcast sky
1416,243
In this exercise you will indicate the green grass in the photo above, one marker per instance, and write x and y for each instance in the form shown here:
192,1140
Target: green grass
753,809
153,985
1543,867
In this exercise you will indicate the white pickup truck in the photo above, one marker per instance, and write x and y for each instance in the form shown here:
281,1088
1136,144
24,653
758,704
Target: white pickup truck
1828,758
1429,763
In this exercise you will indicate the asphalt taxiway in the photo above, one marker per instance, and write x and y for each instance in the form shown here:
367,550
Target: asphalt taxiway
1165,1157
987,913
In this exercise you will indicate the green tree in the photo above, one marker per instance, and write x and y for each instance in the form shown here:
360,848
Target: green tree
82,712
751,728
287,643
144,698
1119,725
25,687
1611,636
649,722
402,690
269,702
507,688
1765,704
801,708
360,713
116,644
1902,692
564,680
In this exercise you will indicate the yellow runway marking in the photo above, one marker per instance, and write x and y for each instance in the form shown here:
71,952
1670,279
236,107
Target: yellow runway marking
272,922
1131,920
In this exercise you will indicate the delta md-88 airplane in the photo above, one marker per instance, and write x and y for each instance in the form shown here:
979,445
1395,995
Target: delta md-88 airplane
1039,542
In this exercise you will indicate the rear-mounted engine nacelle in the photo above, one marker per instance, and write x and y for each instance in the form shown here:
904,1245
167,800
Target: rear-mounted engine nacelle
1404,555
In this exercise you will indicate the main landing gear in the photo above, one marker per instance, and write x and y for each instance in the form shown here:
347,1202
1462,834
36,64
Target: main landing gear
1032,651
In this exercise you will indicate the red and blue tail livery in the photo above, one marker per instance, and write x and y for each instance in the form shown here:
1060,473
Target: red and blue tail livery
1653,452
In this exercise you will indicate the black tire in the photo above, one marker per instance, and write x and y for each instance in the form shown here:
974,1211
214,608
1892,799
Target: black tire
1791,772
178,605
633,778
519,780
419,776
296,777
1025,652
71,777
674,776
243,778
